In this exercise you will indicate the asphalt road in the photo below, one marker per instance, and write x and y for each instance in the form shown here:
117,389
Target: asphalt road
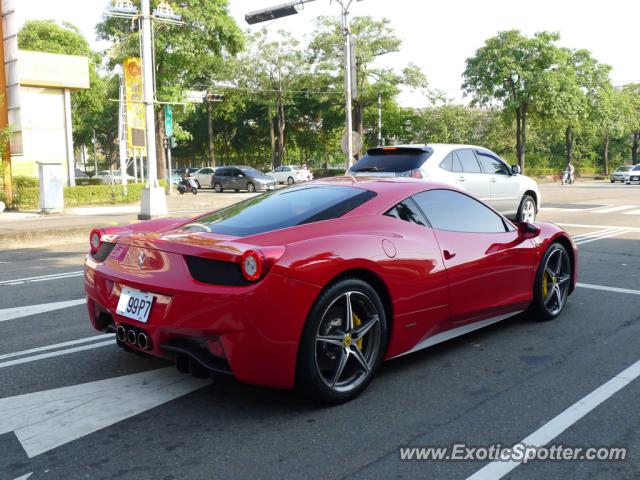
108,414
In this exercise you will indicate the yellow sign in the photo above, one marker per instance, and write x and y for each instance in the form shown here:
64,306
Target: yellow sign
135,107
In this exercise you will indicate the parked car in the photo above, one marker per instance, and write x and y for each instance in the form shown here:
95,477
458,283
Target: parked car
80,173
241,178
315,286
621,174
203,176
634,175
474,169
112,178
290,174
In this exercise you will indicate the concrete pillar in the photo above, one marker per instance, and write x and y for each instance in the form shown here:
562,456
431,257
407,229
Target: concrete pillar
68,131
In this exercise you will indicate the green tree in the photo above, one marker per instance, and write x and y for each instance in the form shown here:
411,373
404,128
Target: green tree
513,71
631,99
374,39
182,53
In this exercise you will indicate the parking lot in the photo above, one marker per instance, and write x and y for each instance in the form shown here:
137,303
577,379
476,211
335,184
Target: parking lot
73,405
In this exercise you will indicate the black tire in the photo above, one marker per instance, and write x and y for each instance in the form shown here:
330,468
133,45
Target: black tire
524,209
180,191
194,191
236,190
217,187
613,181
539,309
365,301
198,184
290,181
251,187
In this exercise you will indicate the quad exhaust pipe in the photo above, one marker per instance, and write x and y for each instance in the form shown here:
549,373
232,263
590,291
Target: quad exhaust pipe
133,337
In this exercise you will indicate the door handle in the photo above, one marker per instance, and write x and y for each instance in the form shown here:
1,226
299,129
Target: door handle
493,180
461,178
448,255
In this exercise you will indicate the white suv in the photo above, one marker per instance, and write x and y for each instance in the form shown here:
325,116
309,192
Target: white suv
290,174
477,170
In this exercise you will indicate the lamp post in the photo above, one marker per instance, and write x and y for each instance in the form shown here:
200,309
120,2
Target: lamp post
292,8
153,200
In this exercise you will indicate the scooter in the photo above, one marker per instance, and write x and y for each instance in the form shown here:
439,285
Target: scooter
567,178
188,185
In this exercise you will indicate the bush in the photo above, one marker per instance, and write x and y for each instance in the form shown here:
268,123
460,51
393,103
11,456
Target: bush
21,181
89,181
327,172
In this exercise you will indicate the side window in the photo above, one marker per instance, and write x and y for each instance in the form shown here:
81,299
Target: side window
279,169
235,172
447,163
491,164
286,169
222,172
469,161
457,212
407,211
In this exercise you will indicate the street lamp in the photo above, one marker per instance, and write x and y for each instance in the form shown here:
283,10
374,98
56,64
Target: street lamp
292,8
153,199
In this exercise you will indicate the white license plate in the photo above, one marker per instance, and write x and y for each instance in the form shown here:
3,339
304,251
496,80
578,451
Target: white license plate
135,304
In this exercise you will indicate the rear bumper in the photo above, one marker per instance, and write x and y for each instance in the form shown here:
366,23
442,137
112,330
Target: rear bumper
258,326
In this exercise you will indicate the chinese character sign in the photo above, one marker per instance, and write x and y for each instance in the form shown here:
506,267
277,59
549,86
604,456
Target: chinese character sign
135,107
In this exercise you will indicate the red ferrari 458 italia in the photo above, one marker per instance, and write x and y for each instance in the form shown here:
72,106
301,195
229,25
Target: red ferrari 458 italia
314,286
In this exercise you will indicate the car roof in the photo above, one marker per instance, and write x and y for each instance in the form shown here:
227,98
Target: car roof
433,146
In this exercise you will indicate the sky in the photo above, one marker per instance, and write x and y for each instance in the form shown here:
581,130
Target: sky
438,36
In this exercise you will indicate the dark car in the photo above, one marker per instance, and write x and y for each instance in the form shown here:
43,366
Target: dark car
241,178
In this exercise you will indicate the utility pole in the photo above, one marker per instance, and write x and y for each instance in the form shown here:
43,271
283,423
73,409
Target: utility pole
347,67
4,118
379,119
153,200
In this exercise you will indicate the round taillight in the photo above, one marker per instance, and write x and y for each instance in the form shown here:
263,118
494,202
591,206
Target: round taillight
95,240
251,265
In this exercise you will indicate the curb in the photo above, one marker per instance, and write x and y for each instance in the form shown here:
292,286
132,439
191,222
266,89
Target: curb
43,238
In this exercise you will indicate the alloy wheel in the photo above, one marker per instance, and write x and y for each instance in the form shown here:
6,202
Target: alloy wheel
528,211
556,281
348,341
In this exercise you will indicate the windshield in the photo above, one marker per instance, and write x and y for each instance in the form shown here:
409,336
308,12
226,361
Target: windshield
624,169
396,160
636,168
285,208
252,172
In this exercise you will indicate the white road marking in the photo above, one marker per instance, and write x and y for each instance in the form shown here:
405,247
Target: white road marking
632,212
608,289
42,278
24,477
557,425
613,209
57,353
591,234
594,238
19,312
582,225
45,420
93,338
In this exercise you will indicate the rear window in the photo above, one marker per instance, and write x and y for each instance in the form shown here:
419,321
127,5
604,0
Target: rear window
252,172
285,208
391,160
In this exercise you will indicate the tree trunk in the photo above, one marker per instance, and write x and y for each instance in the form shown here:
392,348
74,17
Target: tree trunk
569,140
160,154
281,127
606,153
212,150
358,122
273,138
634,147
521,134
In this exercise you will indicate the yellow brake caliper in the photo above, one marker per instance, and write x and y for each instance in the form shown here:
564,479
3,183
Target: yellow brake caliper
545,286
356,323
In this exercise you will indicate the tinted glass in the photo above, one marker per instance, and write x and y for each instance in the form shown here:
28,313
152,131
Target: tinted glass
492,165
285,208
250,172
447,163
391,160
453,211
222,172
636,168
407,211
468,160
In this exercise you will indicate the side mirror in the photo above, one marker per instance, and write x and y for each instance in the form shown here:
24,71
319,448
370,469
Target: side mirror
515,169
528,230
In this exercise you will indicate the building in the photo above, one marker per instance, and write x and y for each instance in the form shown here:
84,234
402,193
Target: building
38,97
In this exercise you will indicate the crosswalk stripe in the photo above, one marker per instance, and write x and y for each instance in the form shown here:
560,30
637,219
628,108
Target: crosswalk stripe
19,312
613,209
632,212
57,353
92,338
602,237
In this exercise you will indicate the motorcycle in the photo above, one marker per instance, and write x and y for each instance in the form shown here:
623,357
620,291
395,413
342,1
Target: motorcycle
567,178
188,185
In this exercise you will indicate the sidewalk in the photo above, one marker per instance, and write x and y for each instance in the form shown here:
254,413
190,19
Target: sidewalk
32,229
